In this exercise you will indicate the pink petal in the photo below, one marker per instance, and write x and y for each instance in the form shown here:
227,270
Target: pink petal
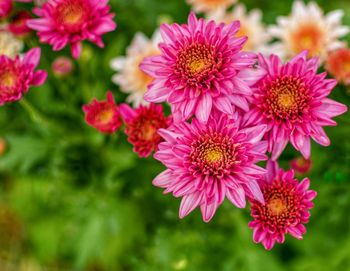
189,203
204,108
39,78
128,114
208,210
32,57
237,196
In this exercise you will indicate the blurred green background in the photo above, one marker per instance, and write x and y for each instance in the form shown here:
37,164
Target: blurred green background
73,199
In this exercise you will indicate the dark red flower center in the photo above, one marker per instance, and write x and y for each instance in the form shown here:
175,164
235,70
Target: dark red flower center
286,98
213,154
195,62
72,14
282,206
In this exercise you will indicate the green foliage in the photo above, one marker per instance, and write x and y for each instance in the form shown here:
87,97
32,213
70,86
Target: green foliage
86,202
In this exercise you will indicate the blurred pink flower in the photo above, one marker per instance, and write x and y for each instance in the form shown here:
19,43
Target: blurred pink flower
142,125
301,165
18,74
308,28
286,207
18,24
338,65
291,101
208,162
103,115
62,66
5,8
65,22
201,67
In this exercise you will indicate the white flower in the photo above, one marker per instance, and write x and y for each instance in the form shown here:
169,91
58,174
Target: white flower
251,25
9,44
308,28
130,78
210,5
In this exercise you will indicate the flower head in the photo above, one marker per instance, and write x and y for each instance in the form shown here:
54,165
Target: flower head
142,125
251,25
292,101
65,22
62,66
208,162
201,67
307,28
338,65
300,165
210,5
9,44
285,210
130,77
5,7
18,25
18,74
103,115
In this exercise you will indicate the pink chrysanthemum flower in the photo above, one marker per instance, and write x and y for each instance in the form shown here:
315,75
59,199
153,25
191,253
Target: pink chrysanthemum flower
201,67
292,101
65,22
103,115
286,207
208,162
142,125
18,74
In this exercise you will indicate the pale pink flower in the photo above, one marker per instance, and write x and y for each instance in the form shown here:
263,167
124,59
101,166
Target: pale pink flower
210,5
208,162
201,67
308,28
292,101
18,74
251,25
65,22
9,44
285,210
130,78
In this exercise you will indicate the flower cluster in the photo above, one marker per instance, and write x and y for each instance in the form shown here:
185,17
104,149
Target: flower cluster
230,108
233,104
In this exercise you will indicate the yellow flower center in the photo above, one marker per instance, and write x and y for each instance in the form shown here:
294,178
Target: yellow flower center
286,100
277,206
214,155
105,116
308,37
8,79
71,13
148,131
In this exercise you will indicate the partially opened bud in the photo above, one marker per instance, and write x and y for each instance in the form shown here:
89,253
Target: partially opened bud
62,66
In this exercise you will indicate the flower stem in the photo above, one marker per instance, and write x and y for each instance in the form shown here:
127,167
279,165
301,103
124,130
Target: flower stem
34,114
